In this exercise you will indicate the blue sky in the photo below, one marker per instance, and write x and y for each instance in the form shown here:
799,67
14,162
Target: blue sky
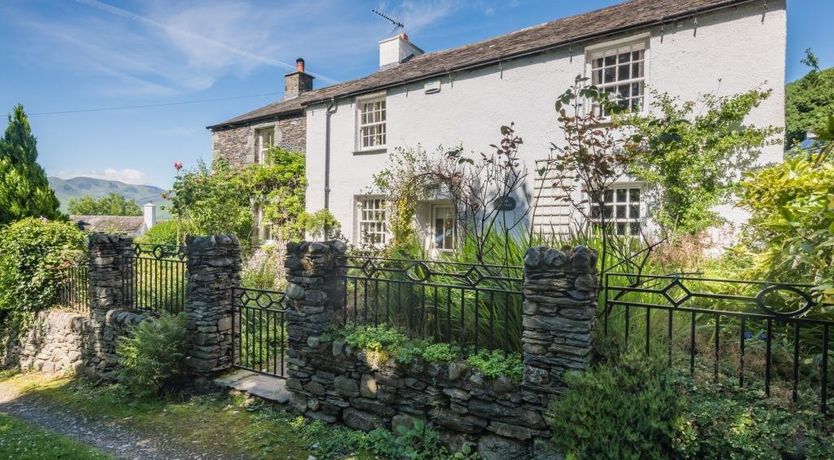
66,55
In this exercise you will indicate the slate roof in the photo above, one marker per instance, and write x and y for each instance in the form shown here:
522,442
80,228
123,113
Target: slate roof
629,15
128,225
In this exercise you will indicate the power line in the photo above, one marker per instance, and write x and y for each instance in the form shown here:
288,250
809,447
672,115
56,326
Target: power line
144,106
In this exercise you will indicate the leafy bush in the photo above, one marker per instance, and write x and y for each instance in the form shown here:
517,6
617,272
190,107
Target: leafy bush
629,409
634,406
165,233
33,253
419,441
495,363
736,423
215,199
791,220
153,356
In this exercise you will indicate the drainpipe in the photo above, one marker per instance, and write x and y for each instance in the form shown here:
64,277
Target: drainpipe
331,109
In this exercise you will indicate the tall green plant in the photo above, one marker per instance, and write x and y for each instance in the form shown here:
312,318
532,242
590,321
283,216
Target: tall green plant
153,356
24,189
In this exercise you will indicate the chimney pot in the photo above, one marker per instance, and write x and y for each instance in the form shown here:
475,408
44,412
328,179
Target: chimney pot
299,65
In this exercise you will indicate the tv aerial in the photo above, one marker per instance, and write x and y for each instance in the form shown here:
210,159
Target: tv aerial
397,24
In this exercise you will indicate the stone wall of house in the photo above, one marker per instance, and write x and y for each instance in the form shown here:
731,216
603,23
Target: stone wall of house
332,382
237,144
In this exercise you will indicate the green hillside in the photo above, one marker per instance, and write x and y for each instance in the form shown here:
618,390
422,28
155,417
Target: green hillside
67,189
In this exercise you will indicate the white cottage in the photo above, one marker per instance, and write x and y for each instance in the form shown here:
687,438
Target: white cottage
463,95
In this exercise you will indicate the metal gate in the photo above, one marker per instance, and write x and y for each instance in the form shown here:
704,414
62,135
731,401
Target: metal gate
259,335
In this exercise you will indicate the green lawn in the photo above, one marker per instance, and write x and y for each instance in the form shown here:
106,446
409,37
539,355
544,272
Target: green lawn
24,441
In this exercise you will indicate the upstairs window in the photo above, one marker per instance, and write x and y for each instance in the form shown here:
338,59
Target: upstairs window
443,217
620,210
371,221
371,123
620,72
264,140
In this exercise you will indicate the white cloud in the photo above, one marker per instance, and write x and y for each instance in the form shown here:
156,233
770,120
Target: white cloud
126,175
161,48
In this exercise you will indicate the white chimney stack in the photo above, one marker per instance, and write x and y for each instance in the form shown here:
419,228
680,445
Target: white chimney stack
149,215
395,50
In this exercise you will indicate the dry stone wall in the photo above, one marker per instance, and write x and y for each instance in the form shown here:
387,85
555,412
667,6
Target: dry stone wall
56,343
333,382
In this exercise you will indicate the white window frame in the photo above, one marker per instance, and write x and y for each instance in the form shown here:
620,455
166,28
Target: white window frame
260,151
616,50
623,208
379,107
371,222
434,216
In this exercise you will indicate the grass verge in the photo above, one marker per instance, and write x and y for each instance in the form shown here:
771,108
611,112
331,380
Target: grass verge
25,441
216,423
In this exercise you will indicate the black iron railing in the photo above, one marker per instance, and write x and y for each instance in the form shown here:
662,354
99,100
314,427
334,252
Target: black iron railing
759,332
473,305
259,337
155,278
74,287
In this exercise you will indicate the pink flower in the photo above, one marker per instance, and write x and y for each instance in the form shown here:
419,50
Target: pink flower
178,165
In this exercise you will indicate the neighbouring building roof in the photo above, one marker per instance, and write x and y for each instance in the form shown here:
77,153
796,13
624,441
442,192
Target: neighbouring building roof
633,14
129,225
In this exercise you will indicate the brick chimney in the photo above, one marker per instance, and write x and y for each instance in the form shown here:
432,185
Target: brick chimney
297,82
396,50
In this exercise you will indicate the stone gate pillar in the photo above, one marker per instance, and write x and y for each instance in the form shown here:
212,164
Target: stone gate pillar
559,311
214,265
109,272
315,293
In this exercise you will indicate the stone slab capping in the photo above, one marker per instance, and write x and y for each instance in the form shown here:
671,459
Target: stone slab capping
107,273
558,315
213,270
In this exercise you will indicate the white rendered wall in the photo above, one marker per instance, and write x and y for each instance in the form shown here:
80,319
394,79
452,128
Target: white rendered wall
731,51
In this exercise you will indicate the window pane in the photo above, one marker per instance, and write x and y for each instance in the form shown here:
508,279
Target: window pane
635,228
621,195
608,211
610,75
624,72
624,57
635,211
637,55
637,70
621,212
608,196
621,228
610,60
634,194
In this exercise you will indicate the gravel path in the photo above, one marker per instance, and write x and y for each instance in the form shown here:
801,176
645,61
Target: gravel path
104,434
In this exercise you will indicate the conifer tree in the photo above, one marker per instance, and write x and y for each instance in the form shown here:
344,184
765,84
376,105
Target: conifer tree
24,189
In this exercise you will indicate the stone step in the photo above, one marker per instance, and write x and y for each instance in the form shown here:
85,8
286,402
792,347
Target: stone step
260,385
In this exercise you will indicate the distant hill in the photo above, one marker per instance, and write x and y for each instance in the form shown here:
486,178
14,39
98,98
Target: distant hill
77,187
